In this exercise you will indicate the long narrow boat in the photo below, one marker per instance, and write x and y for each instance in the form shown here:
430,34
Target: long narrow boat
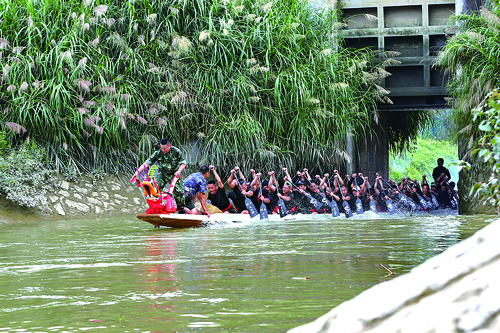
187,221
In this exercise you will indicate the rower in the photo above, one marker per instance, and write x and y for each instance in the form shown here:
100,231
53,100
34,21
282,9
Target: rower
194,188
217,193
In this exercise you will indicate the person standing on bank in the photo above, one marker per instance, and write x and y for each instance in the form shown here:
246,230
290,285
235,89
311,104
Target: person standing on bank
170,164
440,170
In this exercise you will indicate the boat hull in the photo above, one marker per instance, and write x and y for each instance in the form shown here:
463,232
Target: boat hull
189,221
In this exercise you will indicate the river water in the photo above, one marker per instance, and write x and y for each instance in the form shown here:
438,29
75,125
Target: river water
120,274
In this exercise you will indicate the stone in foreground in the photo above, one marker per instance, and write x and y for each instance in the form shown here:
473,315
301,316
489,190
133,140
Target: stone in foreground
456,291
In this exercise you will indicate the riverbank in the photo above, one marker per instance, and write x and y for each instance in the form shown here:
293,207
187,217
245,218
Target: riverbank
85,197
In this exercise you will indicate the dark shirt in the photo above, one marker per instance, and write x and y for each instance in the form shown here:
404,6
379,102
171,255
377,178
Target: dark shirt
255,198
438,171
219,199
238,199
302,204
325,208
290,204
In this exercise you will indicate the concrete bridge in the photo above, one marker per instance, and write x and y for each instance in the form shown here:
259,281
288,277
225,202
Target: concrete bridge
417,30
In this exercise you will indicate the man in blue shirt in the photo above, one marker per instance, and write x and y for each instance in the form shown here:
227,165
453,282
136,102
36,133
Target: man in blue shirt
195,186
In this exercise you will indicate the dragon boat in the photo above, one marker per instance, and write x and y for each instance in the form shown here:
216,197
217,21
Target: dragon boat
188,220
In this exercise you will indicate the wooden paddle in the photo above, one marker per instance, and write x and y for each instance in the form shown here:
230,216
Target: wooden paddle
263,208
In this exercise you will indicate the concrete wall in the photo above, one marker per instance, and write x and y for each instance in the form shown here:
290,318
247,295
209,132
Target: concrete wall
85,198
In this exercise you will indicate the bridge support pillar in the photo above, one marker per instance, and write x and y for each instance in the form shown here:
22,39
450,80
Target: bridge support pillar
370,154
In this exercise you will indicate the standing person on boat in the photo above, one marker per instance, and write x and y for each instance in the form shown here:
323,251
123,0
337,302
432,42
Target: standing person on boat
170,164
195,186
217,193
440,171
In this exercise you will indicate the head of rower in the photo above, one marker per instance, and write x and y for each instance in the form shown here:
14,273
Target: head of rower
286,188
314,185
265,185
301,185
344,191
212,186
244,185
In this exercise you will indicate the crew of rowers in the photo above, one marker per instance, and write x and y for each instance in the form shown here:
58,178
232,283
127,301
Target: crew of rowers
297,193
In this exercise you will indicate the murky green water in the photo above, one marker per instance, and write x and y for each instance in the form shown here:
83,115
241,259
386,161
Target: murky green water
121,275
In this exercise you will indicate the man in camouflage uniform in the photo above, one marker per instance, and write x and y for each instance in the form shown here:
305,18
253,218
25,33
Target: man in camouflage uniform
170,163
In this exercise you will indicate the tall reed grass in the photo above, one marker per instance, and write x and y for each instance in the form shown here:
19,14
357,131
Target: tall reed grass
472,59
254,83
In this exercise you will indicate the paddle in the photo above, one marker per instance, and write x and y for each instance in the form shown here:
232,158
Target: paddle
249,204
388,201
263,208
333,203
453,200
281,204
412,203
423,202
359,205
390,206
401,196
317,205
345,204
373,205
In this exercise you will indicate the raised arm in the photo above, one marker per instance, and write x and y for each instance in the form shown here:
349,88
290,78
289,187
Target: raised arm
230,179
285,170
255,180
306,173
216,175
322,185
237,169
270,184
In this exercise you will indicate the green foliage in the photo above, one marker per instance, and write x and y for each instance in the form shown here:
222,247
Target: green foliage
441,127
488,118
99,83
3,142
422,160
472,59
23,175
